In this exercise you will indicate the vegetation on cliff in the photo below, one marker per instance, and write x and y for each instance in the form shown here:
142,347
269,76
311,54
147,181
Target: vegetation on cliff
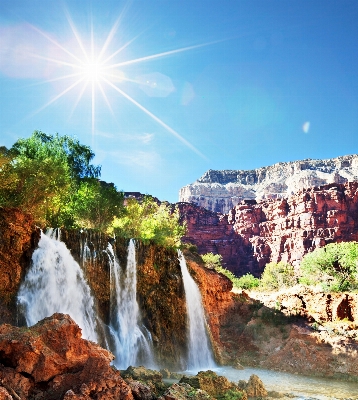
52,178
333,266
148,221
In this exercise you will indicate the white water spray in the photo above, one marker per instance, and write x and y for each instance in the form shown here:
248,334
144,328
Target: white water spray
132,346
55,283
200,354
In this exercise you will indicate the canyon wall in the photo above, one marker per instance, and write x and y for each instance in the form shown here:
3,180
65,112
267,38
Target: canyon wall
220,191
284,229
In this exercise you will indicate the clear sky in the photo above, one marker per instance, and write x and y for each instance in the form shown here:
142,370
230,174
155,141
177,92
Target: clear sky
233,84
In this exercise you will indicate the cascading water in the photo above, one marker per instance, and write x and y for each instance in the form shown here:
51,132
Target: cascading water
200,355
132,346
55,283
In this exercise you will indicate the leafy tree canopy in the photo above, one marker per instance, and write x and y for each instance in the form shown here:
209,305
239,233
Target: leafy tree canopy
148,220
51,177
277,276
333,266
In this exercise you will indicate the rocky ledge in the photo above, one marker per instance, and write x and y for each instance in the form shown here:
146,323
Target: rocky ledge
219,191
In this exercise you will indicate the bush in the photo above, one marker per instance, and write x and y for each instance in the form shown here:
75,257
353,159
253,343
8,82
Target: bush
333,266
247,281
277,275
149,221
212,261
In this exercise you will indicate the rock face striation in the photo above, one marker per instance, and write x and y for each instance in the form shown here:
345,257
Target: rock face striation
254,233
220,191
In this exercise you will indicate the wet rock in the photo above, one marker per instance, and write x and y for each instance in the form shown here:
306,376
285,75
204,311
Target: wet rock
151,378
215,385
255,387
140,391
142,374
183,391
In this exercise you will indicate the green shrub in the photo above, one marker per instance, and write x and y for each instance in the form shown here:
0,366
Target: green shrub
232,395
333,266
150,221
278,275
247,281
213,261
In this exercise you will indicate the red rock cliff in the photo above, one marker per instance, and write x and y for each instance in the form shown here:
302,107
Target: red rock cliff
253,234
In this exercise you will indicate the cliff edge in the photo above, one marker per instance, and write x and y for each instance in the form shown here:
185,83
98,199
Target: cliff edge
220,191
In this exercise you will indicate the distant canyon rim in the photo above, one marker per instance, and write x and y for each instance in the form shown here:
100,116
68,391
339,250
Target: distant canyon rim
272,214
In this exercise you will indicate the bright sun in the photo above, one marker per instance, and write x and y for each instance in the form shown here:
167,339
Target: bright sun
97,70
93,71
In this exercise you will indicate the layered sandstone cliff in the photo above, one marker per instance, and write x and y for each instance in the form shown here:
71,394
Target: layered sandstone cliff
220,191
255,233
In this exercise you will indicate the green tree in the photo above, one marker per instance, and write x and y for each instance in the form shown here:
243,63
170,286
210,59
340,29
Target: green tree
278,275
95,204
247,281
51,177
212,261
333,266
148,220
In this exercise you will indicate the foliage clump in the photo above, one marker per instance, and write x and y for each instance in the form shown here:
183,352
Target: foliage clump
247,281
277,275
52,178
149,221
333,266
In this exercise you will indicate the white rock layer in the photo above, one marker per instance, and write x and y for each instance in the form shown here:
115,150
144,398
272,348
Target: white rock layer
220,191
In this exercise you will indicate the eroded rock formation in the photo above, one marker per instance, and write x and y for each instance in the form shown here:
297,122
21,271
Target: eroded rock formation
18,239
220,191
255,233
52,361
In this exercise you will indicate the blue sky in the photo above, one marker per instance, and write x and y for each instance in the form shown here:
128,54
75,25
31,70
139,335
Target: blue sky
253,83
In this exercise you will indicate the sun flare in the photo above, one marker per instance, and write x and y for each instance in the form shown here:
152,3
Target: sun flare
102,72
93,71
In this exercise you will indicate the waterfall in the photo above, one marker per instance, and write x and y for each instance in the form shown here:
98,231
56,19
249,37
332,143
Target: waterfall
200,354
55,283
132,344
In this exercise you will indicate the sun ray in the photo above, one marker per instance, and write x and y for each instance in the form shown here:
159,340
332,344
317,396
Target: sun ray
55,43
54,60
107,101
79,41
120,49
158,55
60,78
56,97
155,118
113,32
79,97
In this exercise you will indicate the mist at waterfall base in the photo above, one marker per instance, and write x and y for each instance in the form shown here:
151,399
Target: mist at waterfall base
199,352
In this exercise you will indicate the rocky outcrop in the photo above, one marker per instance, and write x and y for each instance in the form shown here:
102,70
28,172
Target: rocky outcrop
254,387
213,384
18,239
52,361
220,191
183,391
255,233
